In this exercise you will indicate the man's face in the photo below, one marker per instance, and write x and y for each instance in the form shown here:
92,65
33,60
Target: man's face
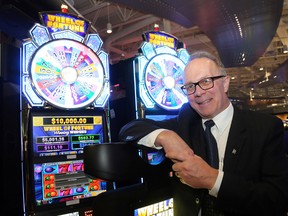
208,103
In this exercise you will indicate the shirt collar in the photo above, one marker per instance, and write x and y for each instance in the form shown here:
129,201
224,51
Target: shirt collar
223,119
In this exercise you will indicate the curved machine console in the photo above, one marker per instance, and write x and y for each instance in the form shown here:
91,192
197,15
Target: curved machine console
121,161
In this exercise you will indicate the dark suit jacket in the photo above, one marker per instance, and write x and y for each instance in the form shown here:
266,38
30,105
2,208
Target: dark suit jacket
255,165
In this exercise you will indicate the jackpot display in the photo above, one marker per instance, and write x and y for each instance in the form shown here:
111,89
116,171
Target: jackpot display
66,134
65,80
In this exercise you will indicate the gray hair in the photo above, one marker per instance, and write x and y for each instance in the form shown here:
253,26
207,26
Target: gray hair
205,54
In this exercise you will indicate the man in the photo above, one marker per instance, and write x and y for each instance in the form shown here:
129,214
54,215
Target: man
250,177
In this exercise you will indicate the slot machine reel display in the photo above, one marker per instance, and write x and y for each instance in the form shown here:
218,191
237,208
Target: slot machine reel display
65,79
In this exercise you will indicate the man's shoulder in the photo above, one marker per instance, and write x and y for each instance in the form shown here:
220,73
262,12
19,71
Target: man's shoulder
187,112
186,108
252,116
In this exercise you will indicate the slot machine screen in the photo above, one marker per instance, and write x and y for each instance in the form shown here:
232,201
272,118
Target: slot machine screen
56,144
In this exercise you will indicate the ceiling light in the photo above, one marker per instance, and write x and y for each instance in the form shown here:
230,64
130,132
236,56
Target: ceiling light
285,49
109,28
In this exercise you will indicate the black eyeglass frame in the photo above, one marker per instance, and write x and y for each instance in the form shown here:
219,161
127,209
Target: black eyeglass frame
184,87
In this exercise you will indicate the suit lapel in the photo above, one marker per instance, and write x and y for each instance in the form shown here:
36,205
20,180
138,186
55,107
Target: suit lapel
235,140
193,134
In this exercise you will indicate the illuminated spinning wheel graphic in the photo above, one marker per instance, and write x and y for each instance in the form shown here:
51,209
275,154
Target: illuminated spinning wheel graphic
161,77
67,73
64,69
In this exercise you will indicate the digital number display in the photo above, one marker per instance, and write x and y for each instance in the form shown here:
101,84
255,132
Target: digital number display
52,139
90,137
59,147
68,120
65,135
81,145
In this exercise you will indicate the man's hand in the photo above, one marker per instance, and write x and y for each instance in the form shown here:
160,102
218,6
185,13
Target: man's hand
195,172
174,146
189,168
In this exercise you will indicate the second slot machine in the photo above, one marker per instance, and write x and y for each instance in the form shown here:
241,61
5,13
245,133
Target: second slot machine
65,81
149,86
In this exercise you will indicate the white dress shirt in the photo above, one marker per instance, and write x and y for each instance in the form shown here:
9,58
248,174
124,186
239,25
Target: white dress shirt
221,131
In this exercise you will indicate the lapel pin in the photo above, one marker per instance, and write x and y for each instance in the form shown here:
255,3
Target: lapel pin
234,151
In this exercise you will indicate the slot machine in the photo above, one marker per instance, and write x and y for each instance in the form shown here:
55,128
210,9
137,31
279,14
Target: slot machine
158,74
65,83
150,84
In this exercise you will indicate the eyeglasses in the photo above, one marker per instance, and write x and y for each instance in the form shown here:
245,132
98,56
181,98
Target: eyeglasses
205,84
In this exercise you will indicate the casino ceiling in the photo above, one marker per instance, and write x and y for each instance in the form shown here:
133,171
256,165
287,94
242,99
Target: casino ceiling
250,36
